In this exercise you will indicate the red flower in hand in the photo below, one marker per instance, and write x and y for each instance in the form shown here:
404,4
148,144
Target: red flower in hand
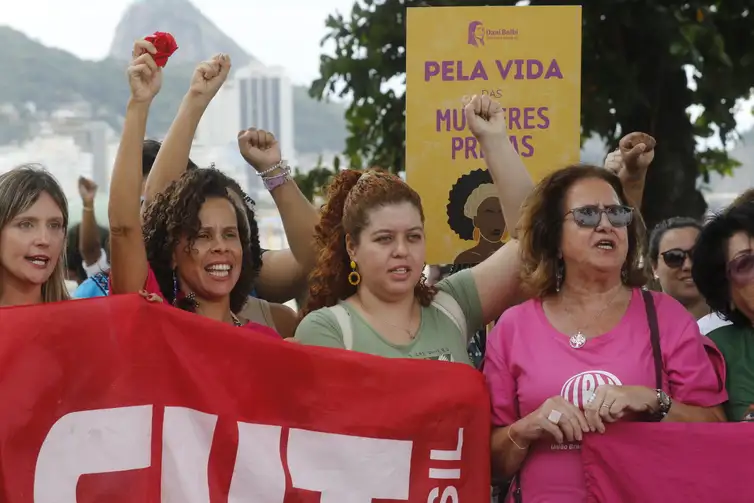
165,45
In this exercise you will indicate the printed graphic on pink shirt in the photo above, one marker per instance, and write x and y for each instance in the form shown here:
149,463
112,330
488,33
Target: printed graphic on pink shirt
579,388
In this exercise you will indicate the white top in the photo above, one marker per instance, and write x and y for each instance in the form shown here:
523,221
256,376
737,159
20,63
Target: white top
101,265
710,322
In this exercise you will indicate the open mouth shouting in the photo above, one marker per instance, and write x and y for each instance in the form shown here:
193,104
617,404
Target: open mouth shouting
400,273
219,270
38,261
606,244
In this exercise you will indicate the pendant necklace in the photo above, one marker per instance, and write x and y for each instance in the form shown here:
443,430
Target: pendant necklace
578,340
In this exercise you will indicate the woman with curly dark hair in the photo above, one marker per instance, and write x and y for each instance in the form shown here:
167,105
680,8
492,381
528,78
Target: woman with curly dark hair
367,292
474,213
199,245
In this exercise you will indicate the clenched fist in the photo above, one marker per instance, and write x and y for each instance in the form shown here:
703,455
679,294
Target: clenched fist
259,148
87,189
144,76
209,76
485,117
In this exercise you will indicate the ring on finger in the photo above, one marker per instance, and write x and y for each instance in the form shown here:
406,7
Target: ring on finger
554,416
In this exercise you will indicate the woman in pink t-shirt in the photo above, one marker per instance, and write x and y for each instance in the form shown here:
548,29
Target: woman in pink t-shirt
198,247
579,356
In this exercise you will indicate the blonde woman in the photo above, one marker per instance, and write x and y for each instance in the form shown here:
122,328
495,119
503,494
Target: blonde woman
33,223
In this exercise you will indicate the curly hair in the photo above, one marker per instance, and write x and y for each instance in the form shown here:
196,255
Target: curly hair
174,214
350,197
667,225
460,193
541,229
709,266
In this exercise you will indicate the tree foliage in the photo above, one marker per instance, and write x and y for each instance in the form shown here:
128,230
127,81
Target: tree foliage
312,182
634,79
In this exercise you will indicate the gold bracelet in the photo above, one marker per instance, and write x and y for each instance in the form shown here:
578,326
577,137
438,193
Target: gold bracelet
87,208
511,438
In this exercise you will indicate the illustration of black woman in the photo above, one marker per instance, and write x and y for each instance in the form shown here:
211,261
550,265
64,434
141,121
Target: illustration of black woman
475,214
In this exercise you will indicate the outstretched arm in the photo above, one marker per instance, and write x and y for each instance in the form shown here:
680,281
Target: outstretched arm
173,156
284,272
498,278
128,259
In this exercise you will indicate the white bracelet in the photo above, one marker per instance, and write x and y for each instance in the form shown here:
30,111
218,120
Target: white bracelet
279,165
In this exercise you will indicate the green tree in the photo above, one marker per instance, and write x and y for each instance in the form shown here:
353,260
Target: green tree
634,79
313,182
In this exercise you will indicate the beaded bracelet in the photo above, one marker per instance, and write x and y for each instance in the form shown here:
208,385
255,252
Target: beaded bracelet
282,164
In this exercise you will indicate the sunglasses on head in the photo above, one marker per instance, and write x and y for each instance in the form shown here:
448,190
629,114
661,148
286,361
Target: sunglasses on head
591,215
675,257
741,269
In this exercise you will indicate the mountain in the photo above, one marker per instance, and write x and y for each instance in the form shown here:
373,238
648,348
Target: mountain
197,36
52,78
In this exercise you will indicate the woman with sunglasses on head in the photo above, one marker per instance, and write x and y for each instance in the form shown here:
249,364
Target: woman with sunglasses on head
670,247
580,354
724,273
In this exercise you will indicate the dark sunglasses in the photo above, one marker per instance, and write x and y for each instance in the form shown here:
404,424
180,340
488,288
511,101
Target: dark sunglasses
675,257
741,269
591,215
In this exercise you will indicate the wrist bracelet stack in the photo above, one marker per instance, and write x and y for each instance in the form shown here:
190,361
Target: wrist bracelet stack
276,176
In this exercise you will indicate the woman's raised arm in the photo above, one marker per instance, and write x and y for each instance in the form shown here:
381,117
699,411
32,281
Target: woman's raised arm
173,155
498,277
128,259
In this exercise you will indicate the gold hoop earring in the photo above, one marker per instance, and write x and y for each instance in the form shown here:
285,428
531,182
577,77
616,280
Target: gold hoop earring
354,278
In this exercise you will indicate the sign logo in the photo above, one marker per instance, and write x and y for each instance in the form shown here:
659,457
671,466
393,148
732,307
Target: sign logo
477,34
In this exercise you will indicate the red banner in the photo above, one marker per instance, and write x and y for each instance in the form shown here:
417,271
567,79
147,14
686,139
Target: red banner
669,463
119,400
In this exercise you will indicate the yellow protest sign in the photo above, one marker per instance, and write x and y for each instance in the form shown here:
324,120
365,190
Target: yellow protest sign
527,58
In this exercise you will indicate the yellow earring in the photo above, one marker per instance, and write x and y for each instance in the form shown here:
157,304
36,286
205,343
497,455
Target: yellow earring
354,277
477,234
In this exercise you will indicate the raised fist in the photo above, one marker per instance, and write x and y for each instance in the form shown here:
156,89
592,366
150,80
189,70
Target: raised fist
144,76
485,117
259,148
637,151
87,189
209,76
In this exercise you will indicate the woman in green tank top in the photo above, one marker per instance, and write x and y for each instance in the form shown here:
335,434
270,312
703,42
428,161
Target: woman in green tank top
367,292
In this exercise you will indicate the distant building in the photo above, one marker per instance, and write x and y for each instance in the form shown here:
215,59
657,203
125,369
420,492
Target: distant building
221,122
266,102
254,96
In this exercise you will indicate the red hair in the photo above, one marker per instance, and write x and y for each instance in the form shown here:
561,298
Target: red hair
350,197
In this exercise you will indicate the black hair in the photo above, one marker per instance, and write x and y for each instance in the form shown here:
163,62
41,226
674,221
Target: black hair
174,213
73,258
149,154
666,225
710,261
459,194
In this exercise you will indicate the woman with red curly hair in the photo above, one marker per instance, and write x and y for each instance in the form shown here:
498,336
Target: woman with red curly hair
367,292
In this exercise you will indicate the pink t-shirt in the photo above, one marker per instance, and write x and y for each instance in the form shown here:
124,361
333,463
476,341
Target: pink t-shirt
527,361
152,286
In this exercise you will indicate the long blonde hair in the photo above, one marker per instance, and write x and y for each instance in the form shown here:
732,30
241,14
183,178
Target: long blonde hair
20,188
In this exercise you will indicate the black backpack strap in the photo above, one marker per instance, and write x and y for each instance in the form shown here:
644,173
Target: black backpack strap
654,335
